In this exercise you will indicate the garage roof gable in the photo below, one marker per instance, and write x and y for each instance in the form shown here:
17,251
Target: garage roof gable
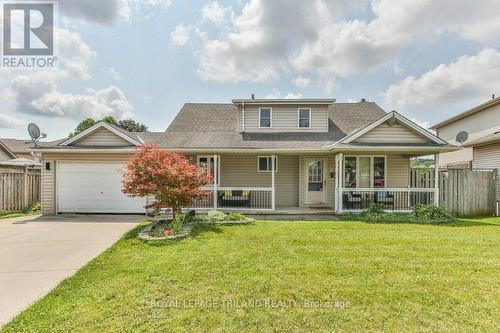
99,127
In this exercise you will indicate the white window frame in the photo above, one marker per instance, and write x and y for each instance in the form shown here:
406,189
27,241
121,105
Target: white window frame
298,118
371,169
270,116
269,163
209,157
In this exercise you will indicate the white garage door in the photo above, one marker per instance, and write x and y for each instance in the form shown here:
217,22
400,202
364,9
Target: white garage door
94,188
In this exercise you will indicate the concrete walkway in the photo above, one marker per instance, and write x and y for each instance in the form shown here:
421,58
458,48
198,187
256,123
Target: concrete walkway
36,253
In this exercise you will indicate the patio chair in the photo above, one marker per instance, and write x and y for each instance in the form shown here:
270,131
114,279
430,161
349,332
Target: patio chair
385,199
352,200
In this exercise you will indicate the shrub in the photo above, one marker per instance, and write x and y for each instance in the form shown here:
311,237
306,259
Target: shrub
374,210
431,212
216,216
177,223
32,208
235,217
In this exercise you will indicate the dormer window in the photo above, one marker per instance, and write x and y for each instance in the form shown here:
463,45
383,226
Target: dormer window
265,117
304,118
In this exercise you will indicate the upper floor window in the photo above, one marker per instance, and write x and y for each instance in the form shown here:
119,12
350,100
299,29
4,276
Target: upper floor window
304,118
265,117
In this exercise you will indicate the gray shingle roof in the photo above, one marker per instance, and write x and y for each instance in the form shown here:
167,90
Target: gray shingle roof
26,146
214,126
207,126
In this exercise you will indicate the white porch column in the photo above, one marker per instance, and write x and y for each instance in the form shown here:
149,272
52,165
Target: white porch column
336,182
341,181
273,194
216,177
436,179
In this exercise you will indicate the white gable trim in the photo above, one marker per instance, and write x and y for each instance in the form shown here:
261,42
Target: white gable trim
353,136
92,129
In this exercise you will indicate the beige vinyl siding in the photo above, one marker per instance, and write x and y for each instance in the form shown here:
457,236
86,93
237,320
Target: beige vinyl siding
285,119
241,170
102,137
330,182
48,201
488,158
391,134
398,171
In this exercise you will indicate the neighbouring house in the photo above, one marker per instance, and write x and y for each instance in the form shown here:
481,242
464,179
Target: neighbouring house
479,123
478,129
266,155
17,155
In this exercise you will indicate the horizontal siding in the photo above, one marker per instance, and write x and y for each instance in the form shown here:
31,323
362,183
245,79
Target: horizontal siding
285,119
241,170
398,171
488,158
48,188
102,137
390,134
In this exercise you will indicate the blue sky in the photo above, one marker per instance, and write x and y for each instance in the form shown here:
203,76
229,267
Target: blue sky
144,59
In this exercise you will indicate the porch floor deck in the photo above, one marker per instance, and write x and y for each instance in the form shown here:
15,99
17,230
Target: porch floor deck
292,211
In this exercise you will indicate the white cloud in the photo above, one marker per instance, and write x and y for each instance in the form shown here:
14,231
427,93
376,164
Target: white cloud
258,42
180,35
301,81
37,93
469,79
276,94
109,11
293,96
94,104
97,11
270,38
9,121
216,13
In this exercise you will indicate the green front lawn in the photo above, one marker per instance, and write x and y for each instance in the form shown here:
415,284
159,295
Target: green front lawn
314,276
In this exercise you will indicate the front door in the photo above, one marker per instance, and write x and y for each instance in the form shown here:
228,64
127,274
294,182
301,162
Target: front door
315,182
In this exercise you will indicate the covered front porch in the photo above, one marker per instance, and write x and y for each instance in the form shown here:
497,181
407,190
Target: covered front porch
311,183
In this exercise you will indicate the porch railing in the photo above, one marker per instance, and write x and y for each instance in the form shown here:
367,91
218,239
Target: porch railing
236,198
394,199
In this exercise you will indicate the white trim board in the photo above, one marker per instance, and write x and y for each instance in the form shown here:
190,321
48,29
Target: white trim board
355,135
97,126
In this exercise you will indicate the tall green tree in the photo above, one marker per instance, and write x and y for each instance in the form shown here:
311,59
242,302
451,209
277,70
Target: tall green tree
132,126
129,125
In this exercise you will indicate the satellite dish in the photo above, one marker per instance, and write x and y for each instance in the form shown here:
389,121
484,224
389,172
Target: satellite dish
34,132
462,137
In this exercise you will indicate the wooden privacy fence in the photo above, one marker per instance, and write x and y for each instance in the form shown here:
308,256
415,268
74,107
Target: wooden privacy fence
461,192
18,190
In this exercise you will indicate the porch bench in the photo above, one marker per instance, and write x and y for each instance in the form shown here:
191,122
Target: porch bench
234,198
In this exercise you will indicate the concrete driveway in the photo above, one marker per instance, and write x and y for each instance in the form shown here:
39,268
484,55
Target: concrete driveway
36,253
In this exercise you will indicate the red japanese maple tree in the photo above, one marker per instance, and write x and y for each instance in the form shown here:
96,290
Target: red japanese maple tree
170,177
